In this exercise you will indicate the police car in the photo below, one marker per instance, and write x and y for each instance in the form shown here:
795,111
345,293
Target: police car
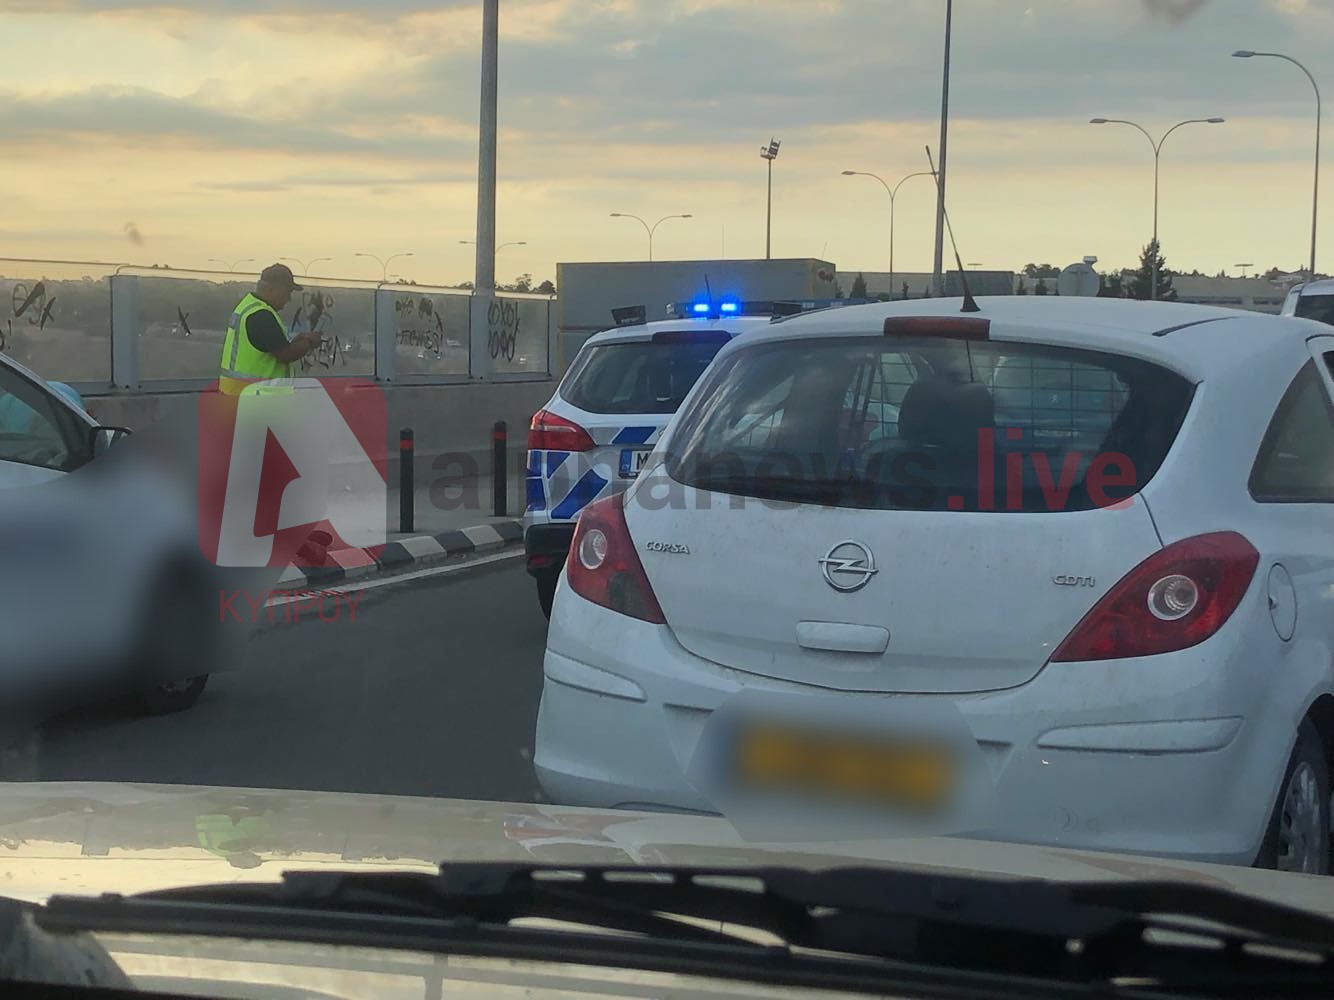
1312,300
592,437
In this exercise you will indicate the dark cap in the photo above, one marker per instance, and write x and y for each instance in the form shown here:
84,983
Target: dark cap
280,276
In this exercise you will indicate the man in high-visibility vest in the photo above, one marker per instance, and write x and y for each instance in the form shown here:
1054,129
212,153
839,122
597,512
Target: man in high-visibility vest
257,347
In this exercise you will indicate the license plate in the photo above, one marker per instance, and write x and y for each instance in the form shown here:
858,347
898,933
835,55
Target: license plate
632,461
850,768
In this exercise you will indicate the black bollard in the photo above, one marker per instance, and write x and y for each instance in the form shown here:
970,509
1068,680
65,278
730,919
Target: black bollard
407,492
499,476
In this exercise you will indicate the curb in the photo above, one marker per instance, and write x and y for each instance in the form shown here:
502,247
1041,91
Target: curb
405,554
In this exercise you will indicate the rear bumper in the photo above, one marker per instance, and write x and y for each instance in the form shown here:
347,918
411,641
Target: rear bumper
1108,757
546,546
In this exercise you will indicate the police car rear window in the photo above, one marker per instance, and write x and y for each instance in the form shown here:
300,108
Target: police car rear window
638,377
1317,307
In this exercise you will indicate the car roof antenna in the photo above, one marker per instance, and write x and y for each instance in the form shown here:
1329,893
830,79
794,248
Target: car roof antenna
969,303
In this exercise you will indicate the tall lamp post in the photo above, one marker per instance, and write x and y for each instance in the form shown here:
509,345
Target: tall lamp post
1315,184
937,269
893,193
511,243
647,228
770,153
305,268
1157,155
234,264
384,262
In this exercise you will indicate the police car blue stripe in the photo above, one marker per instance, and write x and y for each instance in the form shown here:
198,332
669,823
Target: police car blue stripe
555,459
633,435
578,498
536,494
534,463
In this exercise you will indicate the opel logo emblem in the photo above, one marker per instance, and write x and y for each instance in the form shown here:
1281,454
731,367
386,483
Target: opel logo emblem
848,567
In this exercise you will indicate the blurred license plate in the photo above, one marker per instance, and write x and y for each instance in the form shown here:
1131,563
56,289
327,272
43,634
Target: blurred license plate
632,461
865,769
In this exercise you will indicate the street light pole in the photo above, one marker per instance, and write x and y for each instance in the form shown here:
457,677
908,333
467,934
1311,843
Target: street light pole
1157,155
384,262
937,273
305,268
232,266
893,194
769,153
647,228
1315,184
512,243
485,278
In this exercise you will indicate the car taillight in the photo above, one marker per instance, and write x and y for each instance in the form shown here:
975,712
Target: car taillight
603,566
550,432
1175,599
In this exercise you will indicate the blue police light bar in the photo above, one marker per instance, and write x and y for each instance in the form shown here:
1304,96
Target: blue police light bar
700,307
730,307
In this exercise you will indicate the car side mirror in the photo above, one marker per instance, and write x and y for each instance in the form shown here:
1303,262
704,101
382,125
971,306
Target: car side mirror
102,438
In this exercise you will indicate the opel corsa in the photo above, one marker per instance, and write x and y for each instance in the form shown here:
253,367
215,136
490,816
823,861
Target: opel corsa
1100,531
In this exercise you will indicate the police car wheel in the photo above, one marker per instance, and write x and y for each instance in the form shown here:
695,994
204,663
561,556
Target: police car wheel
546,591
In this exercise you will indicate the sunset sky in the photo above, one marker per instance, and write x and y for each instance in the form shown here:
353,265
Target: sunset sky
318,128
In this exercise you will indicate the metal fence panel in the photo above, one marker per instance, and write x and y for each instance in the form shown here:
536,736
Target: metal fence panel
516,334
55,317
430,331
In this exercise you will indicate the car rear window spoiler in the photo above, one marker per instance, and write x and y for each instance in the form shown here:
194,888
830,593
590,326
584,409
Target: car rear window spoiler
1181,326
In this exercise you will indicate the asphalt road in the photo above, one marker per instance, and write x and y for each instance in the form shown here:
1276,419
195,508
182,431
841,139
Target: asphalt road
431,689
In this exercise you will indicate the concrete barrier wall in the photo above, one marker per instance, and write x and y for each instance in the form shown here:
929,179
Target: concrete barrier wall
444,418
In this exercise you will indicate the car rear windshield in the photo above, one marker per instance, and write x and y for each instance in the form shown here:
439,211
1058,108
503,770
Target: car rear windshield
1317,307
929,424
649,376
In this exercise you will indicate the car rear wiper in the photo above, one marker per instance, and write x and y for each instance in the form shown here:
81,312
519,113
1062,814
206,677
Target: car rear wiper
854,928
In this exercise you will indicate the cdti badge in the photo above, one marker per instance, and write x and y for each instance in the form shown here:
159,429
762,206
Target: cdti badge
287,459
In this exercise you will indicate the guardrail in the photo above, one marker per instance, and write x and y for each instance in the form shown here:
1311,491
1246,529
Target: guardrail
108,328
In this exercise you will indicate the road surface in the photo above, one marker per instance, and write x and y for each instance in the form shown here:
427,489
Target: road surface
431,689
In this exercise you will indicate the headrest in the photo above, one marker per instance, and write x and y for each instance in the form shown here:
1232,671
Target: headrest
945,414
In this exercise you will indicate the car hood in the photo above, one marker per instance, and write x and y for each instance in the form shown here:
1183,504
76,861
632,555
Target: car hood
14,474
93,837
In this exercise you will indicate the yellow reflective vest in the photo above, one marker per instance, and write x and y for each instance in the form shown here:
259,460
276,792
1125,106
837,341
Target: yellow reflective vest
243,363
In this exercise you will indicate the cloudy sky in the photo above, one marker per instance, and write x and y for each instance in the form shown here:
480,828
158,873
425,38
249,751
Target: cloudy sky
179,131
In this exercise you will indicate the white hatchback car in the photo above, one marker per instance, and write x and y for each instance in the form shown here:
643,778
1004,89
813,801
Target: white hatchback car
1124,588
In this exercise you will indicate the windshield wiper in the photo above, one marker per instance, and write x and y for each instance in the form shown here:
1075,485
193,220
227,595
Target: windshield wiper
858,928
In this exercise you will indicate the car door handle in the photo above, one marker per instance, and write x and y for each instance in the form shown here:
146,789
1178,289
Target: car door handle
841,637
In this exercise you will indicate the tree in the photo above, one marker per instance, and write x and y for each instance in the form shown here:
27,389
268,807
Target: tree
905,291
547,287
1041,287
838,289
1141,282
1111,286
858,287
1020,288
1041,271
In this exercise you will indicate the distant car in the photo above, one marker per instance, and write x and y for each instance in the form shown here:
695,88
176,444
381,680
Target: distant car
1313,300
1133,635
591,439
102,583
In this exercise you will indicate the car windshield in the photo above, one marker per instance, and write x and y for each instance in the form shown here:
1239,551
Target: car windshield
639,377
926,424
480,446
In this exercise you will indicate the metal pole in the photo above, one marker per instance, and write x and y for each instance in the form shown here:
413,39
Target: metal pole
486,149
937,278
1153,287
769,215
891,246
